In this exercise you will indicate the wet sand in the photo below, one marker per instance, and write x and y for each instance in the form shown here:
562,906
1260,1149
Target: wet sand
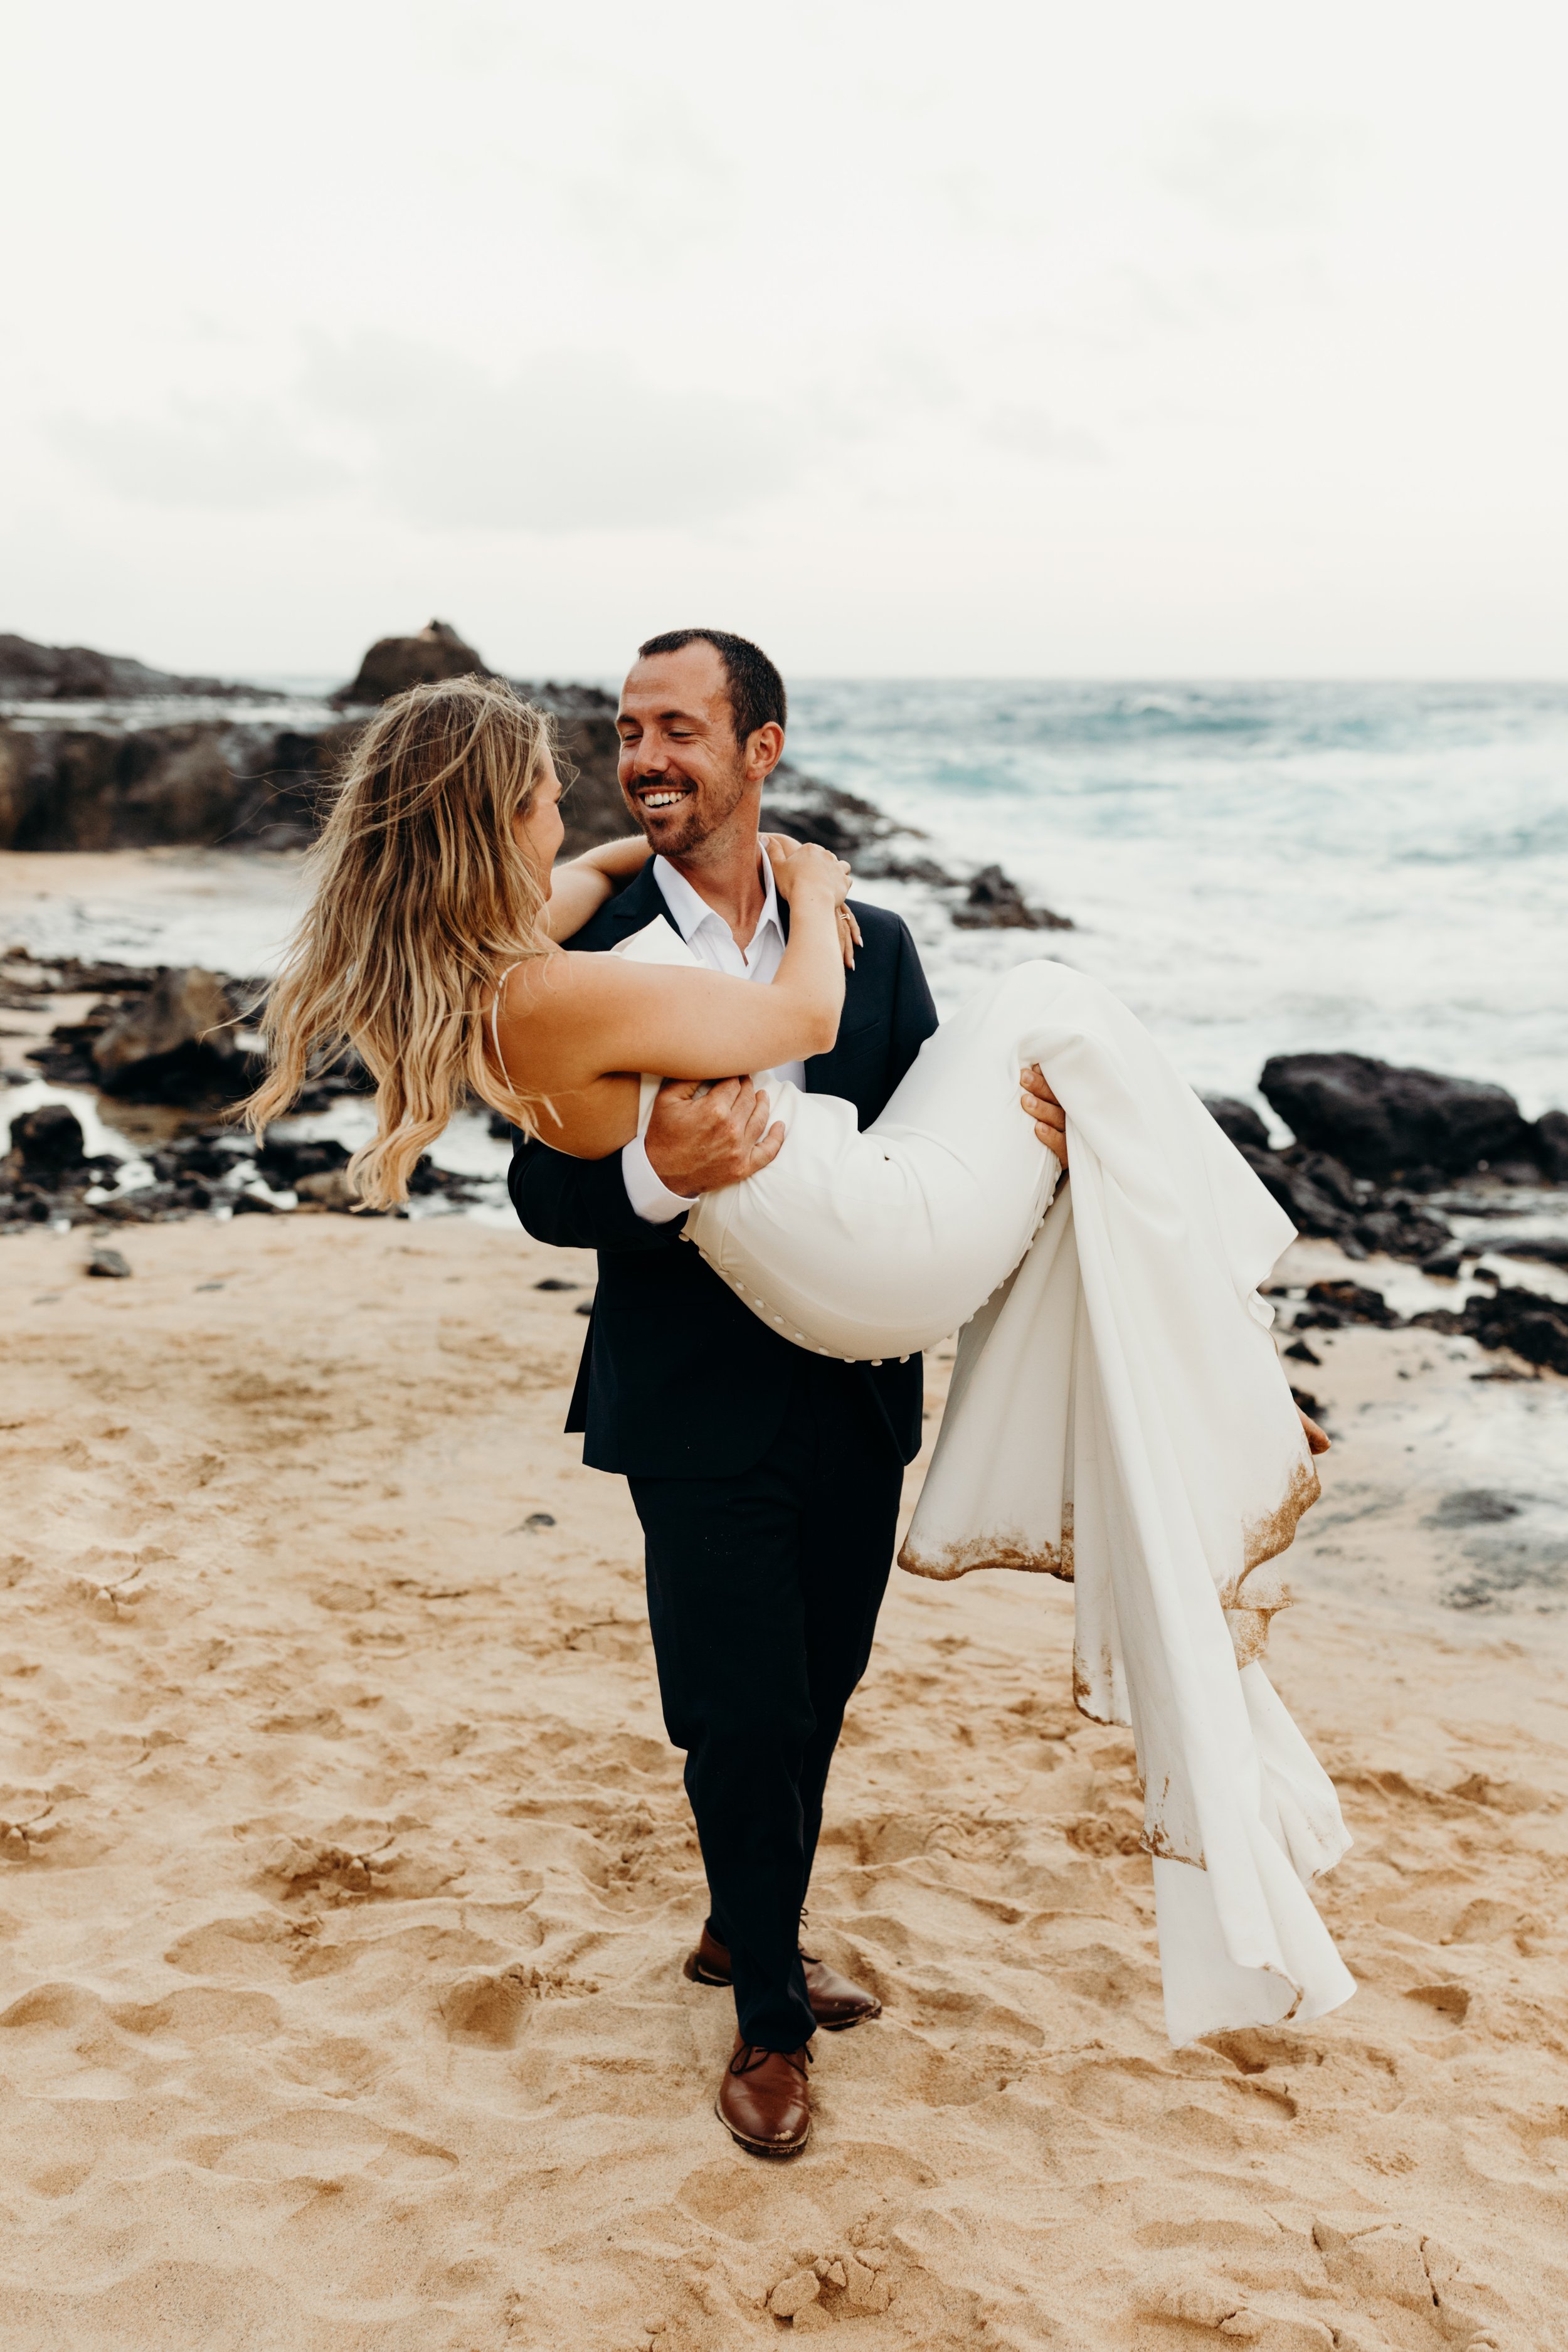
349,1875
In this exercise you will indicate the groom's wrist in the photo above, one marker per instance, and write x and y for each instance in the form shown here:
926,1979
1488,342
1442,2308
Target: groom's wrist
650,1197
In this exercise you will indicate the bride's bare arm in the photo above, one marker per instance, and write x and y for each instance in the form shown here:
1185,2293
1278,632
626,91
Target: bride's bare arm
566,1021
579,887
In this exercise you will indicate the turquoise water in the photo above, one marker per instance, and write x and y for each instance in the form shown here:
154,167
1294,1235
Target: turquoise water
1257,868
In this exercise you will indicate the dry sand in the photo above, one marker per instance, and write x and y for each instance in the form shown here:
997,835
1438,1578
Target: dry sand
341,2002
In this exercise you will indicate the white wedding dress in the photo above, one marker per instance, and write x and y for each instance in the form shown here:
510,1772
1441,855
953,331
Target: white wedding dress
1118,1416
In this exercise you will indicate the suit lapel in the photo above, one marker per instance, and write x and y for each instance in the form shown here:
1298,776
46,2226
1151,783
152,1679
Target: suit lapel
633,910
824,1072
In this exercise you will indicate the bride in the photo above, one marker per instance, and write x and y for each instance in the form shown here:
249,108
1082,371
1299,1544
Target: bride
1118,1414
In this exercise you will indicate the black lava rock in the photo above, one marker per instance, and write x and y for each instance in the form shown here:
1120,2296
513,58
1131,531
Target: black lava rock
1331,1304
283,1163
1399,1229
1444,1264
1378,1119
1239,1120
1549,1145
174,1045
1532,1327
995,902
1311,1209
46,1146
209,1154
394,664
1547,1249
35,673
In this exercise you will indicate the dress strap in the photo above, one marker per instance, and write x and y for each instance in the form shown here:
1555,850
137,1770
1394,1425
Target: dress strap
495,1014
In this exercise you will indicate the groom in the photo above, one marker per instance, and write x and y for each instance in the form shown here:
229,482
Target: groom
767,1479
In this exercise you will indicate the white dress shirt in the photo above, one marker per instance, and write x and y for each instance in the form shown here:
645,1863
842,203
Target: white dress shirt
708,936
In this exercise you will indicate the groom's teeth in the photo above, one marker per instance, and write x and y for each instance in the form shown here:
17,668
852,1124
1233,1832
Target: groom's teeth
663,800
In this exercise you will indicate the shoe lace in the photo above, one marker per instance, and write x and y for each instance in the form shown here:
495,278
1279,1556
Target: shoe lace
751,2054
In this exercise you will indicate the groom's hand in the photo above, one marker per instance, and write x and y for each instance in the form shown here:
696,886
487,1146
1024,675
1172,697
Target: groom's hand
697,1142
1050,1119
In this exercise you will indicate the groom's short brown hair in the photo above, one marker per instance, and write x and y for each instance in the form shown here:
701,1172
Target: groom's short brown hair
757,697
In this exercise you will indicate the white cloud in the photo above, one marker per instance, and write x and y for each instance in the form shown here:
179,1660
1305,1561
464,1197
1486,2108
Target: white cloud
222,456
1034,337
1261,173
572,442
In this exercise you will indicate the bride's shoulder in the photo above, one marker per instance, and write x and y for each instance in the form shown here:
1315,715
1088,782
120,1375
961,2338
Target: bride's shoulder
547,984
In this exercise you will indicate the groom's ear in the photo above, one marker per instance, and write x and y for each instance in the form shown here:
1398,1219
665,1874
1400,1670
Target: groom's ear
765,748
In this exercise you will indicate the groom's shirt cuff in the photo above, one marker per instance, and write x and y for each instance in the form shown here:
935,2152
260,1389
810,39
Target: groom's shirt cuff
654,1202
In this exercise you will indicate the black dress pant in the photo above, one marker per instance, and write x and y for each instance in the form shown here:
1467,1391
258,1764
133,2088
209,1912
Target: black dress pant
763,1595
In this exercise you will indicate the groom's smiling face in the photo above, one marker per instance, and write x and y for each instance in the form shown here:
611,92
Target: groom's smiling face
683,773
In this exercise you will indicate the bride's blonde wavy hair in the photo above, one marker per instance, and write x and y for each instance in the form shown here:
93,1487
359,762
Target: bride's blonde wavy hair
422,900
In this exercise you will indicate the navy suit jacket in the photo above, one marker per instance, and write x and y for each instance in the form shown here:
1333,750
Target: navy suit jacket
677,1379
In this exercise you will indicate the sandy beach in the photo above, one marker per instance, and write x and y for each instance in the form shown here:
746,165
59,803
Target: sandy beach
1079,476
349,1877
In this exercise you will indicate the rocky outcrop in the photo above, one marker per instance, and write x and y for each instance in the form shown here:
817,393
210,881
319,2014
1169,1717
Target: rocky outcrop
878,848
47,1149
1546,1249
993,902
1549,1145
1522,1321
1239,1121
162,1035
35,673
1382,1122
1330,1305
394,664
135,779
145,787
176,1042
139,781
1321,1196
1527,1324
46,1168
159,1036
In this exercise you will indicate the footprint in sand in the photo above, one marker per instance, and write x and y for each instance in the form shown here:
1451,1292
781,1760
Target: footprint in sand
489,2009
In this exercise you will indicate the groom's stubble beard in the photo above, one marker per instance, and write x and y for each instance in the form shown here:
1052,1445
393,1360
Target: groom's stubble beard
700,829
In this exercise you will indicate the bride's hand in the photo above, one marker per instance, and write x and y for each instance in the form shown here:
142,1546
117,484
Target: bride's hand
805,866
794,861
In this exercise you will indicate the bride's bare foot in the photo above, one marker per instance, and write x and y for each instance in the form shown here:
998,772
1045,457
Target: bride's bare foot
1318,1440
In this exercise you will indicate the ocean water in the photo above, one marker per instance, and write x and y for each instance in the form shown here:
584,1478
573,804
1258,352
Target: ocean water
1255,869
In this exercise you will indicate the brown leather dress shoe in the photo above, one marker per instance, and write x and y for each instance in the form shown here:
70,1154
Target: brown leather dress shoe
764,2100
836,2002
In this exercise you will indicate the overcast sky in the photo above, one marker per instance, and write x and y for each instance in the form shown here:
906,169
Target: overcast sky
1017,338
